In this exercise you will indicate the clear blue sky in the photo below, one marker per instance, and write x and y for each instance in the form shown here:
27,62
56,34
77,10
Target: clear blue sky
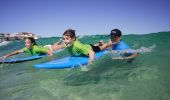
53,17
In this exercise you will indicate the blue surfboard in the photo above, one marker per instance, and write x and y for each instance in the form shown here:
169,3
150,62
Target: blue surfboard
23,59
68,62
17,60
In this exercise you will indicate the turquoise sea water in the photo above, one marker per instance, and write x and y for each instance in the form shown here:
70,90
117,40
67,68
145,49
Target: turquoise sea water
146,78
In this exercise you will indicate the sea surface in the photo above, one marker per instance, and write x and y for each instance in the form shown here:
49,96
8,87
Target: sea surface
146,78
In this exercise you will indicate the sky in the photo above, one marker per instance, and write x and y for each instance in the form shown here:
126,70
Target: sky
88,17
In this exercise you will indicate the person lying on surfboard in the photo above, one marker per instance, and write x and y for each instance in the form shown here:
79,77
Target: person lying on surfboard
31,48
117,44
76,48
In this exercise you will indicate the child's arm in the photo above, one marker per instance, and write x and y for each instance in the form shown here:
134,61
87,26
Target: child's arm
134,55
107,45
91,56
49,52
13,53
56,47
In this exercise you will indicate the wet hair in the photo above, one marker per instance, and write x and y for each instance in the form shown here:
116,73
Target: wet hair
32,40
70,32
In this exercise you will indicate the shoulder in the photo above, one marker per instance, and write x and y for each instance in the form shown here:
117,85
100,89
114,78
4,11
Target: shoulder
121,41
36,47
24,49
123,45
77,43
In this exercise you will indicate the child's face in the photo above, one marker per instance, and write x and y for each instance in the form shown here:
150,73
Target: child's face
28,43
68,39
114,38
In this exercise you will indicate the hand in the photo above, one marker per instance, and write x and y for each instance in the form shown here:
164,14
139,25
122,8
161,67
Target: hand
55,44
90,61
3,57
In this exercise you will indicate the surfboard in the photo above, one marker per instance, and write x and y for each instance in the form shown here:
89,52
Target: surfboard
23,59
17,60
68,62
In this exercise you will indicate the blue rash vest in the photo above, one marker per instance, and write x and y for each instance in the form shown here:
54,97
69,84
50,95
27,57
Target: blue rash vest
122,46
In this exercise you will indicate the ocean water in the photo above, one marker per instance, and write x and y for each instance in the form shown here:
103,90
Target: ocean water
146,78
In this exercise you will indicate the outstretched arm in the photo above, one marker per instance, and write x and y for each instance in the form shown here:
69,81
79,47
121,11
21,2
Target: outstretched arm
56,47
49,52
107,45
13,53
134,55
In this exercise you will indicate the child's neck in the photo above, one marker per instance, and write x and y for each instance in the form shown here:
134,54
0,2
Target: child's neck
116,40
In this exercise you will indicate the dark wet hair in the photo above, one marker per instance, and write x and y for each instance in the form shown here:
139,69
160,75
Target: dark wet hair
116,32
32,40
70,32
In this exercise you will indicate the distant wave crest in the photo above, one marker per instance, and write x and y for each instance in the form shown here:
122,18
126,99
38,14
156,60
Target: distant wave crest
4,43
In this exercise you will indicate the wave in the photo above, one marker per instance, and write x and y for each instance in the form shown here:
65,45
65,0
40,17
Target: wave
140,50
4,43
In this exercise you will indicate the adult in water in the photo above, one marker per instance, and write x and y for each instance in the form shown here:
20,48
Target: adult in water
117,44
31,48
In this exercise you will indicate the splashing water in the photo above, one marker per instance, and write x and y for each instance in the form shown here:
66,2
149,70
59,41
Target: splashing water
4,43
106,79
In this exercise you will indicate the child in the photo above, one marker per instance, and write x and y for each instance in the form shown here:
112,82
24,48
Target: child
31,48
75,47
116,43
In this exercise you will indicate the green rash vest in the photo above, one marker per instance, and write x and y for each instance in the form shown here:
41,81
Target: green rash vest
79,49
35,50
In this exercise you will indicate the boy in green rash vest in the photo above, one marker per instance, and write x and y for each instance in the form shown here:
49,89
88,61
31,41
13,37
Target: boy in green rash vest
31,48
75,47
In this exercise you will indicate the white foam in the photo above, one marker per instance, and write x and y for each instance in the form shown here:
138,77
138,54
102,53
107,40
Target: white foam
4,43
140,50
84,68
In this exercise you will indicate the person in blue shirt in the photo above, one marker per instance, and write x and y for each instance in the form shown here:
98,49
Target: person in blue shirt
117,44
